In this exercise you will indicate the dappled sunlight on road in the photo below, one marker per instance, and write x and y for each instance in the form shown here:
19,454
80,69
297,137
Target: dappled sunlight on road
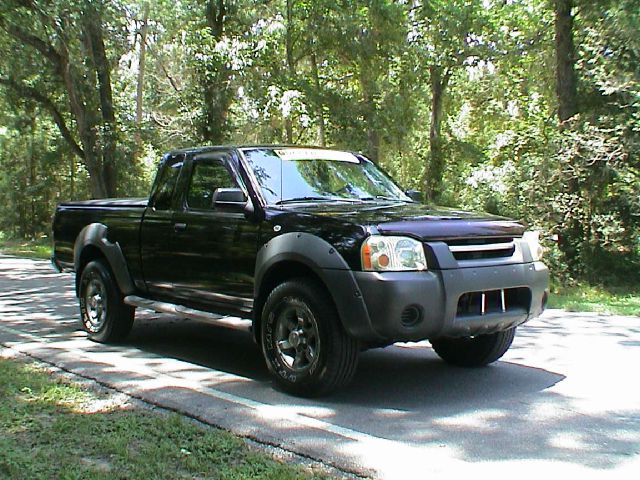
595,352
564,398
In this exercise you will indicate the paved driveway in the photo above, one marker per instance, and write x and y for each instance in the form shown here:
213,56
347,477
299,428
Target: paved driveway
565,400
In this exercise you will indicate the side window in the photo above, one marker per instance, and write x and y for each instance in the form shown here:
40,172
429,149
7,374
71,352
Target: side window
207,176
167,184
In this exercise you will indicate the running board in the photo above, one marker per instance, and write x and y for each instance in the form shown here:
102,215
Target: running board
236,323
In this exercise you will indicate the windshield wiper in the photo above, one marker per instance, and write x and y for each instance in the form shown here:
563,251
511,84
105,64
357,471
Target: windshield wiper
316,199
382,197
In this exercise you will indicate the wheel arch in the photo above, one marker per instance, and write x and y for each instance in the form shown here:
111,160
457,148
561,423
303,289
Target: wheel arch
92,243
299,254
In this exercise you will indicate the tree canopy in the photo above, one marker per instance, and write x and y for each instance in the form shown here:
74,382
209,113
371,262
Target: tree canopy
524,108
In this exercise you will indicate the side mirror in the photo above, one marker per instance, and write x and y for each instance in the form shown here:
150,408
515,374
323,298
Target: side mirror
232,199
414,195
250,211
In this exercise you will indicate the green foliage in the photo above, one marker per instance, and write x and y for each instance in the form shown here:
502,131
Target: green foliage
617,300
38,248
354,74
37,172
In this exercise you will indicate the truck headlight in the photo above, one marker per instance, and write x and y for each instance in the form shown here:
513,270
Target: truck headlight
381,253
533,240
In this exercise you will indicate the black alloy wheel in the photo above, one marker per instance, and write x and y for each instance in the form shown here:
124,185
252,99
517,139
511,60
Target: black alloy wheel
304,344
104,315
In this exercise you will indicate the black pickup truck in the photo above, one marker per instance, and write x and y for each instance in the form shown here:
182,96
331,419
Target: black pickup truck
315,251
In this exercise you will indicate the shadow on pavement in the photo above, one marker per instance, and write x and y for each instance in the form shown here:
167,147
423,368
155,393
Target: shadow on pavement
511,410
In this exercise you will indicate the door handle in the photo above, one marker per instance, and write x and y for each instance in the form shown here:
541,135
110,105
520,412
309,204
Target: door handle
179,227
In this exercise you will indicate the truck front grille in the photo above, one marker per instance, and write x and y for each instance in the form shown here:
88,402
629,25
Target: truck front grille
507,300
482,248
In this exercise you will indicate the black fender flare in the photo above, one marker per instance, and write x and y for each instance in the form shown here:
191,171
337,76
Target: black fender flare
325,261
95,235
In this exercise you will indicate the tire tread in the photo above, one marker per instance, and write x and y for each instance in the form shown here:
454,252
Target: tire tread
474,352
344,350
120,315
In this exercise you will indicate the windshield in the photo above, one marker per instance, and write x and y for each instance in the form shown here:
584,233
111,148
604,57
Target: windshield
288,175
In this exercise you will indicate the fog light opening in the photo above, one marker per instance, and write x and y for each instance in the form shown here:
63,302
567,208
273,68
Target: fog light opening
411,316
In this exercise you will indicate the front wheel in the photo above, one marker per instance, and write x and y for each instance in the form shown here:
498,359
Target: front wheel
305,346
474,351
104,315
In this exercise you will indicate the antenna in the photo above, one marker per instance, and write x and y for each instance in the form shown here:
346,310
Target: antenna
281,168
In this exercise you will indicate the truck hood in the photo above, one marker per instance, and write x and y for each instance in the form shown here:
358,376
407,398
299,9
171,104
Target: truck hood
426,222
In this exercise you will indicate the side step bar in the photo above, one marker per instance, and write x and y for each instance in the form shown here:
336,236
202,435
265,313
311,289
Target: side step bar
236,323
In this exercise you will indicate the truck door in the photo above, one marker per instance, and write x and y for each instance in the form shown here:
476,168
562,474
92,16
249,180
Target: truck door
215,248
159,264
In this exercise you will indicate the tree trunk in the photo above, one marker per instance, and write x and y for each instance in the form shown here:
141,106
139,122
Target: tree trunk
72,177
217,98
291,67
215,113
566,84
86,134
96,185
435,169
140,81
369,93
79,81
103,72
32,180
319,103
572,242
84,122
373,142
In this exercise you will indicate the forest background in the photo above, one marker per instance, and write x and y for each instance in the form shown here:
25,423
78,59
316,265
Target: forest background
524,108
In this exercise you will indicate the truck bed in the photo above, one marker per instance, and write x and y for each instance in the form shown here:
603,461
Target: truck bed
122,215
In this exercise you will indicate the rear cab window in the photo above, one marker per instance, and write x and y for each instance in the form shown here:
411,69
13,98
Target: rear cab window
164,189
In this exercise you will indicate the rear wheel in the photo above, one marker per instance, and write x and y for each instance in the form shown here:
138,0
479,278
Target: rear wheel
304,344
104,315
474,351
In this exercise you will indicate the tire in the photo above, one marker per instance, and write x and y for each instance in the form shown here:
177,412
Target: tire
474,351
104,315
304,344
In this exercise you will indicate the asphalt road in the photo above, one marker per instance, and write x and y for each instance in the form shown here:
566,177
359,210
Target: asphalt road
565,400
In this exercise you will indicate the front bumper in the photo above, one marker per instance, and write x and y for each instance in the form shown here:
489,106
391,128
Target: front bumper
411,306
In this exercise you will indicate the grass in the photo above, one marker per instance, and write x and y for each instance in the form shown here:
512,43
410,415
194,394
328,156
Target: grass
49,429
40,248
620,300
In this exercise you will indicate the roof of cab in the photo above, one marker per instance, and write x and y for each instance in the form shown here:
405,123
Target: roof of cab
213,148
